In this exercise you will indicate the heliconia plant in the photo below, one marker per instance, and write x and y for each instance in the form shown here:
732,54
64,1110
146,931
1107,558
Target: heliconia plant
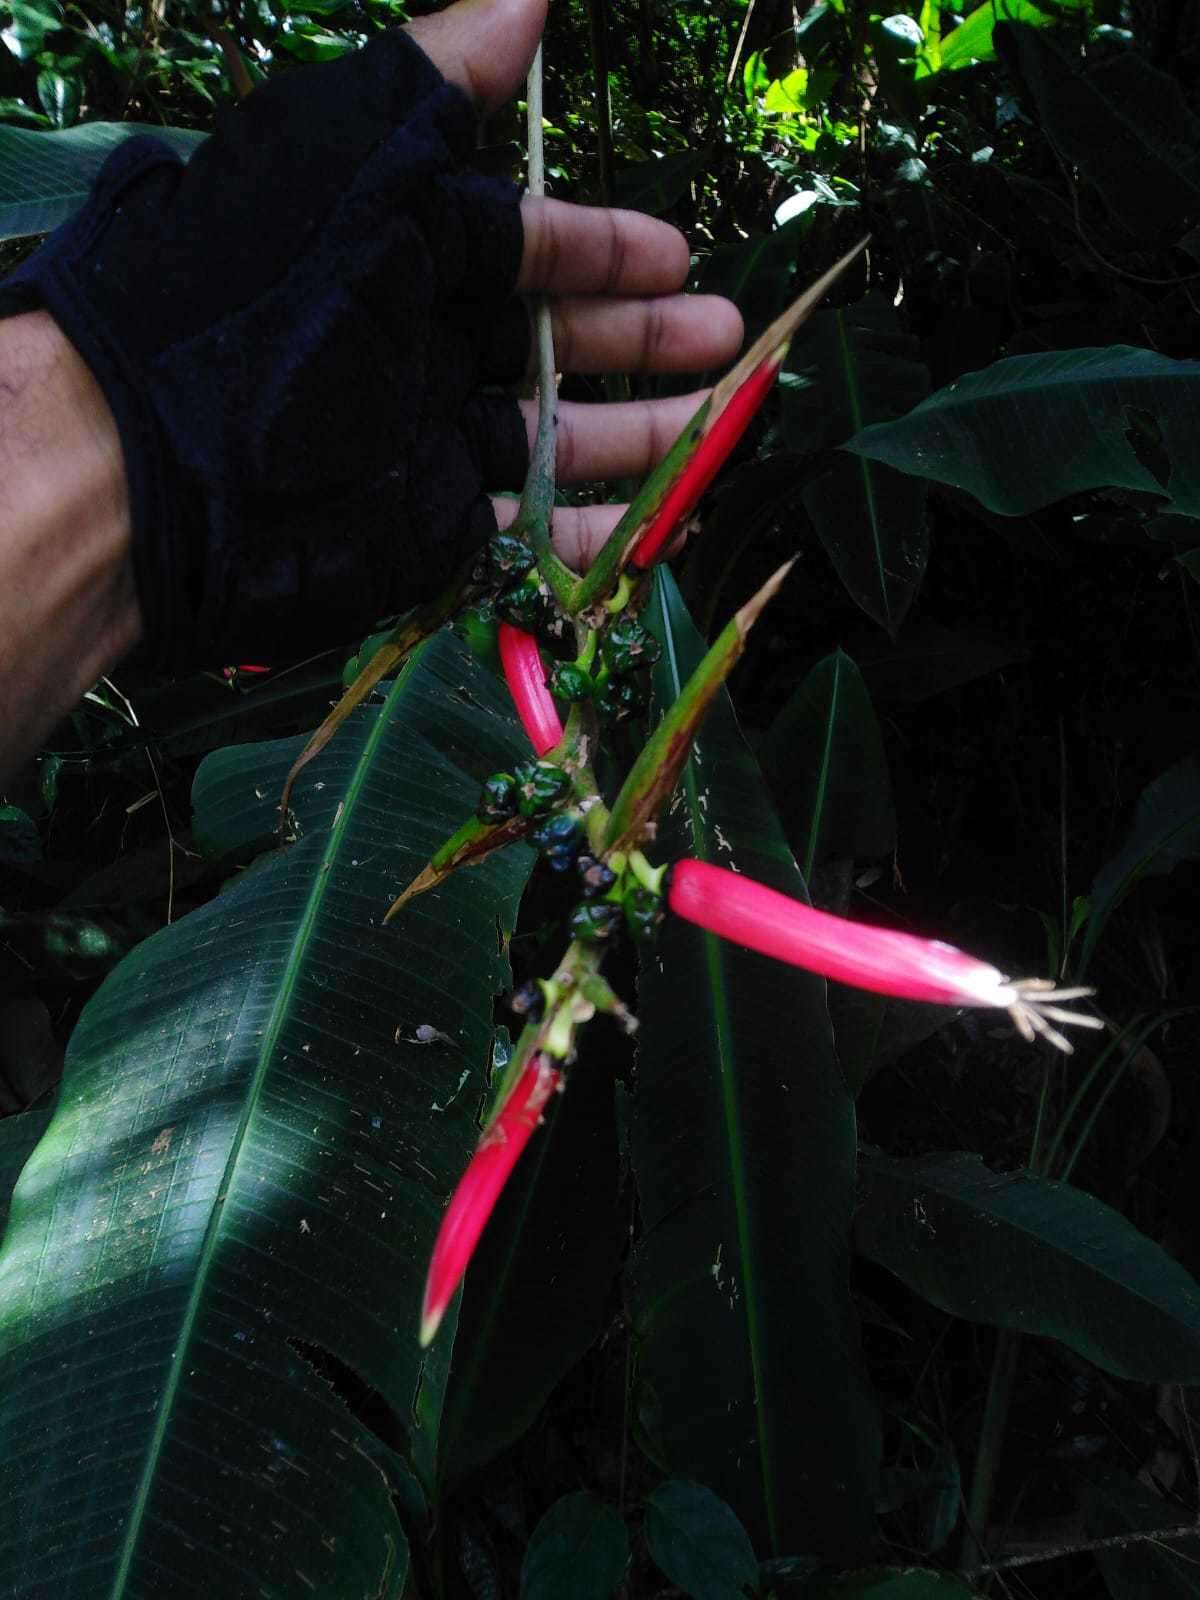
311,1238
621,890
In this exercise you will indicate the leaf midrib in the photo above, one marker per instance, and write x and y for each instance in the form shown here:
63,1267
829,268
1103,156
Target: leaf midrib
723,1032
854,397
321,880
818,816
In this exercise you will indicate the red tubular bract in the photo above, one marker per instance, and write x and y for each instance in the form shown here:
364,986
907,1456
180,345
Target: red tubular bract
473,1201
748,913
711,453
526,679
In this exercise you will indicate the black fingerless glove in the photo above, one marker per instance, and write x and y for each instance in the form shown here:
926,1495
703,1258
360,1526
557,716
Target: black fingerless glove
292,332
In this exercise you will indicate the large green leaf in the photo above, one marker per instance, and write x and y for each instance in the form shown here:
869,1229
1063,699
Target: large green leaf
19,1133
29,21
849,368
755,496
824,755
1165,831
579,1548
44,177
742,1136
654,186
219,1246
1122,123
757,273
1030,430
972,40
1028,1253
697,1543
928,660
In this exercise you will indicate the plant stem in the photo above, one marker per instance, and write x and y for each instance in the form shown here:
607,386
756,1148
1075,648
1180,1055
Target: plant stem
991,1442
537,499
1130,1055
598,39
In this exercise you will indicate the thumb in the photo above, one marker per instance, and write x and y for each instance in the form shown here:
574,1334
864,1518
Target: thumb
484,46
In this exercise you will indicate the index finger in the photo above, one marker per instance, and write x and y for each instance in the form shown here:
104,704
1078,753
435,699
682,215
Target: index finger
597,250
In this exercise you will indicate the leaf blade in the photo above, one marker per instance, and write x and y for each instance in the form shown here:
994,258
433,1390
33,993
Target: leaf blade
738,1091
238,1193
1030,430
963,1236
44,177
580,1547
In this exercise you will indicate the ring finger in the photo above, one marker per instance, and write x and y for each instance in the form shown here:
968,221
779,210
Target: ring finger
614,441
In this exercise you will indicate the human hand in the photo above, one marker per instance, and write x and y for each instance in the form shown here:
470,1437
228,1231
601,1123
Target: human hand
612,277
295,335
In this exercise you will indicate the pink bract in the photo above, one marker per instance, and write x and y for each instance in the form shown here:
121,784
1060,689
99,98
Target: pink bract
473,1201
526,679
737,908
711,454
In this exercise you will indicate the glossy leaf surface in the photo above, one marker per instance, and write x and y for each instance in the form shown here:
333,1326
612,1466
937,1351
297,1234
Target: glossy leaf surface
228,1222
579,1548
697,1542
928,660
848,369
1030,430
972,40
654,186
1031,1254
825,759
19,1134
1122,123
44,177
742,1137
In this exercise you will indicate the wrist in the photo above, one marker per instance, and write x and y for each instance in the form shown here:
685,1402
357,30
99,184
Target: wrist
68,608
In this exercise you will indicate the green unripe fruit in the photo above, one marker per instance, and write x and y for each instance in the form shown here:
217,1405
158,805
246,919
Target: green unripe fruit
498,798
569,682
628,647
643,913
540,786
619,698
594,922
506,557
524,606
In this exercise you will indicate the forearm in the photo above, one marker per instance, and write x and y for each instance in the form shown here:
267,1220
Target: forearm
68,609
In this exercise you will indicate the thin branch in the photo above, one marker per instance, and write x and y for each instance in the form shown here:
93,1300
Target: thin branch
1057,1552
537,499
598,38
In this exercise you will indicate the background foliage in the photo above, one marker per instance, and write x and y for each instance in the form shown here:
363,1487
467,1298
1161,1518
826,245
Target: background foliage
975,704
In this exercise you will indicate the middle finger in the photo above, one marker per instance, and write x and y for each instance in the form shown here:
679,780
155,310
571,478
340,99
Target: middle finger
670,333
